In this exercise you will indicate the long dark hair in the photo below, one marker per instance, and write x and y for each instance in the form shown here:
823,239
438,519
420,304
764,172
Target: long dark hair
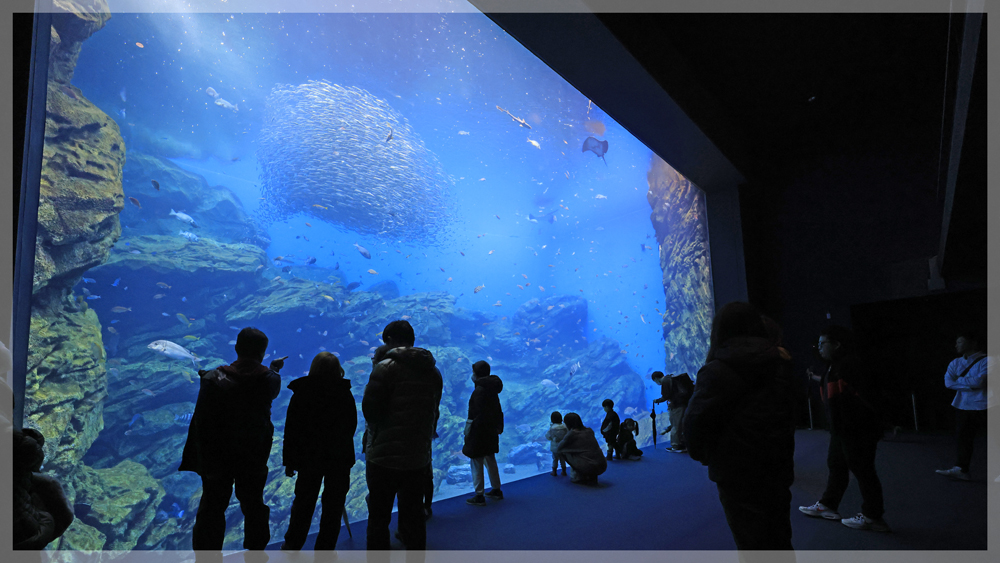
573,421
735,320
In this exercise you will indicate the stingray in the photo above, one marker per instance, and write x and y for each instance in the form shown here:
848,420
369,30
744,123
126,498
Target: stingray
597,147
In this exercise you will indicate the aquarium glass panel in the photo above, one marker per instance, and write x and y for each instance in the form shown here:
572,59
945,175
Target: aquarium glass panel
316,177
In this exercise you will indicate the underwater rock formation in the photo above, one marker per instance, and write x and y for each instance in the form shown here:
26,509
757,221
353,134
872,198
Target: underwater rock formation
217,212
686,263
65,387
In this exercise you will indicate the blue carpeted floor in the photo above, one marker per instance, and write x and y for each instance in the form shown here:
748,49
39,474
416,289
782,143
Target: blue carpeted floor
666,502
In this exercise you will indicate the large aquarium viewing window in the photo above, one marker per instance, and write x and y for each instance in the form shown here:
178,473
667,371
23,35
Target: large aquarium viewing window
317,176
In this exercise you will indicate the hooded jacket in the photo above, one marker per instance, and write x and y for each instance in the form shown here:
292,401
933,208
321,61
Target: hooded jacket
320,425
231,426
677,389
740,421
401,409
582,452
486,417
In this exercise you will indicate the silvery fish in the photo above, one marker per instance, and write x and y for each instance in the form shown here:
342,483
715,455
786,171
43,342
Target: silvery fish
190,236
224,104
183,217
173,351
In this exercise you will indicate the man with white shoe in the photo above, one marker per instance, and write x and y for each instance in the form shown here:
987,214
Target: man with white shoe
966,375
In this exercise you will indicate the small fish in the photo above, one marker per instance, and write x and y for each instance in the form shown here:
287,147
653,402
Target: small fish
308,225
599,196
155,184
462,253
112,330
234,328
148,392
120,309
186,417
181,216
490,252
93,297
573,369
159,296
135,202
550,384
328,298
325,332
115,283
232,342
389,138
135,418
449,279
364,251
365,342
320,206
190,337
534,143
89,280
373,272
183,319
226,105
266,356
165,314
139,45
184,299
135,252
287,269
310,260
163,285
298,330
630,411
211,92
463,132
479,288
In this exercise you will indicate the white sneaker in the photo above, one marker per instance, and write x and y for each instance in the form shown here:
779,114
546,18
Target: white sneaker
954,473
862,522
819,510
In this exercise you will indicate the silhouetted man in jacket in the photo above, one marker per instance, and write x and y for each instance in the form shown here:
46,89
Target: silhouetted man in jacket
229,442
400,405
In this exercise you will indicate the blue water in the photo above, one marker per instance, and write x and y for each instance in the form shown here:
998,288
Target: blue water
446,75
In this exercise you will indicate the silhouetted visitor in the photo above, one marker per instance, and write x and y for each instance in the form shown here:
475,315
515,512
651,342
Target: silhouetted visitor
319,444
676,389
610,427
482,432
849,395
627,432
556,432
581,451
41,510
740,422
966,375
400,405
229,442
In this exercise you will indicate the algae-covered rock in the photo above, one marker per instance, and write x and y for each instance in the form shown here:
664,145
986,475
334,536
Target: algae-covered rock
81,537
121,501
66,384
678,217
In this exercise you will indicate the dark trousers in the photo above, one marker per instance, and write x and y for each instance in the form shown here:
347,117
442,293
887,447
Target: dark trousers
967,425
758,514
336,481
210,524
429,487
385,485
612,440
853,455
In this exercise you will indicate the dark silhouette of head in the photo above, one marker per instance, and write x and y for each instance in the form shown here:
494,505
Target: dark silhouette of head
573,421
656,376
556,418
774,332
974,341
481,369
251,344
398,333
608,403
841,341
326,365
735,320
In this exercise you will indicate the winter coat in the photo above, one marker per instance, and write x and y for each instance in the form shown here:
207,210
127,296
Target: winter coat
320,425
850,397
740,422
582,452
677,389
401,409
231,426
555,435
612,422
40,508
485,418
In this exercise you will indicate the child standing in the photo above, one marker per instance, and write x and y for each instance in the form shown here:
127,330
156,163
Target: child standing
610,427
557,431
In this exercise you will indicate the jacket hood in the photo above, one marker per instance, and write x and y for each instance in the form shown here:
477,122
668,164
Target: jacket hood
416,358
322,384
490,383
244,369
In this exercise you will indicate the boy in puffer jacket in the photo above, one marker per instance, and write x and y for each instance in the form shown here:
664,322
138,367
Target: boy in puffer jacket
557,431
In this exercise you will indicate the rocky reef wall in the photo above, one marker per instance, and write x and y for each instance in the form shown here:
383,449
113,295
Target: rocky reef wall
679,219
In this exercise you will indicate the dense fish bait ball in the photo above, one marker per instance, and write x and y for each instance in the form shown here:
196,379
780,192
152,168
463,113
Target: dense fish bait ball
346,157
